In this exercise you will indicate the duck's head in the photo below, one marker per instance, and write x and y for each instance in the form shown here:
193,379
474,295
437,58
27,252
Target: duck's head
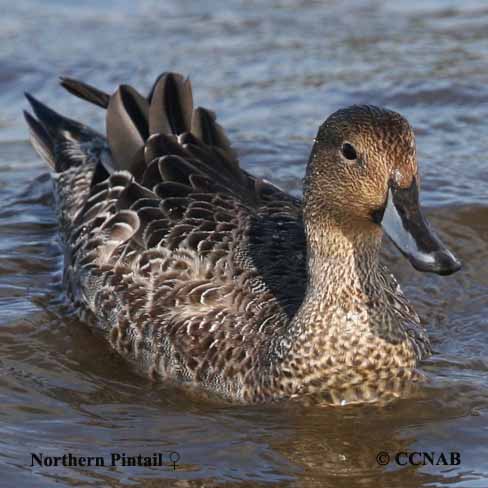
363,175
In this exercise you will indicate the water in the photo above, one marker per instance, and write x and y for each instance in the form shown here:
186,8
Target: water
272,71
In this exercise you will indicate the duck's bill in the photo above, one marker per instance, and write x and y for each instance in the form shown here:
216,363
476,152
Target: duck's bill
405,225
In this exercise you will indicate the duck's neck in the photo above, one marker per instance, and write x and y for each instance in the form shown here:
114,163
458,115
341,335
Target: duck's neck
343,280
342,262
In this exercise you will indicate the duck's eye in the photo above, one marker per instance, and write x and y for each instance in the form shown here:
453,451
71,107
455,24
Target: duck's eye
349,152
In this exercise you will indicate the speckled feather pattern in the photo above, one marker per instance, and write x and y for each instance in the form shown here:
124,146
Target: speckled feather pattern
213,279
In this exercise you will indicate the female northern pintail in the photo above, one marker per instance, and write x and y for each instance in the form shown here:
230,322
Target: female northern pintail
210,277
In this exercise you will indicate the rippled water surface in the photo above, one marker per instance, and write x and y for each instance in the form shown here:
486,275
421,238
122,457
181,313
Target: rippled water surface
272,71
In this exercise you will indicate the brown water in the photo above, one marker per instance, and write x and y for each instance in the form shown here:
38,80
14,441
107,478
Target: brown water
273,71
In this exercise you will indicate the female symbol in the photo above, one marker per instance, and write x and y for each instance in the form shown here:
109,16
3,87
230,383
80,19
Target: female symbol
174,457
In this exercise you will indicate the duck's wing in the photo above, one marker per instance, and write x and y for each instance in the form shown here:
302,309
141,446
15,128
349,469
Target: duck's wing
186,260
167,179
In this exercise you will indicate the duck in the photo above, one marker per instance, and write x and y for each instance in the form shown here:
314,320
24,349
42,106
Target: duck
217,281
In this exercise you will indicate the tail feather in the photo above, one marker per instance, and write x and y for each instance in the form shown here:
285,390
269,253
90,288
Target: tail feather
51,120
204,126
127,127
171,105
85,91
140,130
155,84
40,139
61,141
132,120
161,144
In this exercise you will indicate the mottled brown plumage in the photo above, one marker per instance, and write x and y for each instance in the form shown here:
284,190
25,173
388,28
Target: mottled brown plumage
212,278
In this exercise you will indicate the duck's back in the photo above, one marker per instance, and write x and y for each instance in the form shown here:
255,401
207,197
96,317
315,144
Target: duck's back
188,262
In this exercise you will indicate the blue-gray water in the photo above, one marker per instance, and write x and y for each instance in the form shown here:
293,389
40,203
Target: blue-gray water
272,71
